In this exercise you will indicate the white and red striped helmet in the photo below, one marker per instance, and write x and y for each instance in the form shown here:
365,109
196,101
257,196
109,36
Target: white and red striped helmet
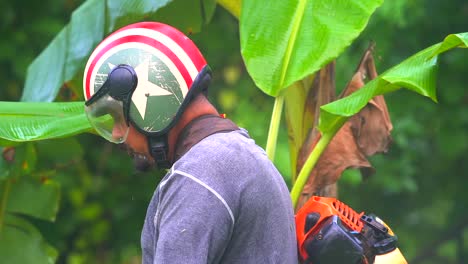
167,68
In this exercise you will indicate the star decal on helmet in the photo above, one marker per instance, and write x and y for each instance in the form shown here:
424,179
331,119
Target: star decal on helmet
145,88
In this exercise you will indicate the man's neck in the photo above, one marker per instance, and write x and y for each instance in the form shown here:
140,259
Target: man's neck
198,107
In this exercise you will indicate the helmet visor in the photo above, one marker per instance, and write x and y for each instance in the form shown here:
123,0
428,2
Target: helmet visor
107,118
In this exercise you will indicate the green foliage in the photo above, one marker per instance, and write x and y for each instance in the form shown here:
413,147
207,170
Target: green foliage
85,29
22,243
27,27
34,198
24,121
284,42
29,197
452,41
41,83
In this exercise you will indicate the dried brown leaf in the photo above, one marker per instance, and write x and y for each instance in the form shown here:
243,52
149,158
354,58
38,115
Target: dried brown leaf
365,134
342,153
372,125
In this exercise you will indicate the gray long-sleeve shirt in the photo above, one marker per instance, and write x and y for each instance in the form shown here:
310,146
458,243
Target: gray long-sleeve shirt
222,202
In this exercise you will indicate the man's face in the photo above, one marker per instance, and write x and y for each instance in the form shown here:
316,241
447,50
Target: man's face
136,145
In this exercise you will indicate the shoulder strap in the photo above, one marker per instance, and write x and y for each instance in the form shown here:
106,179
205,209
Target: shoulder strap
200,128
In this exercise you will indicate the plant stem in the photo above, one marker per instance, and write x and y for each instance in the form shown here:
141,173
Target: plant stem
274,126
310,163
3,202
233,6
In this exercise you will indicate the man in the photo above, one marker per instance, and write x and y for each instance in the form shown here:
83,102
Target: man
222,200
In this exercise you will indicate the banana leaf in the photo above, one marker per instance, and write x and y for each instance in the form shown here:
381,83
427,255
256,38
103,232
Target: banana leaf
417,73
30,121
285,41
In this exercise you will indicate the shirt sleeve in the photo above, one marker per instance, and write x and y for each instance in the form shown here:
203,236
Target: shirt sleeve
194,223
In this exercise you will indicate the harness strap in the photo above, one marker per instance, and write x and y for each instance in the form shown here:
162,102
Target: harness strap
200,128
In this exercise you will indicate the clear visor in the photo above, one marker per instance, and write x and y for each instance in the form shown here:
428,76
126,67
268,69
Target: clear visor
107,117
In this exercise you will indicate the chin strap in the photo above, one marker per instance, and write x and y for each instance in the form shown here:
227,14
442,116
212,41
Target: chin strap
159,151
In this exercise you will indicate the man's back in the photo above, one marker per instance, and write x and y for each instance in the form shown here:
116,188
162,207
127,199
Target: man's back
222,202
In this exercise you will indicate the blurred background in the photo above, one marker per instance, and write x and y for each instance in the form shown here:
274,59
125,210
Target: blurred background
419,187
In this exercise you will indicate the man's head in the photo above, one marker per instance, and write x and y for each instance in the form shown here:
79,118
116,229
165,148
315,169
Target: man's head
136,143
139,81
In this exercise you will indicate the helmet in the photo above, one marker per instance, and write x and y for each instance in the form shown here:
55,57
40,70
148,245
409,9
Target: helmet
143,74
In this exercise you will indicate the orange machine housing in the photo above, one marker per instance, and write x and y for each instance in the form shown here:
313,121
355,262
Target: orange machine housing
325,206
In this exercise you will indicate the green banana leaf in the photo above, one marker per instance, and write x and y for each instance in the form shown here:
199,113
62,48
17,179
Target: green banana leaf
417,73
29,121
284,41
32,196
63,61
21,242
85,30
123,12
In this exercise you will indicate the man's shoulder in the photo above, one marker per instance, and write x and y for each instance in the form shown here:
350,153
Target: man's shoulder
227,143
230,160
